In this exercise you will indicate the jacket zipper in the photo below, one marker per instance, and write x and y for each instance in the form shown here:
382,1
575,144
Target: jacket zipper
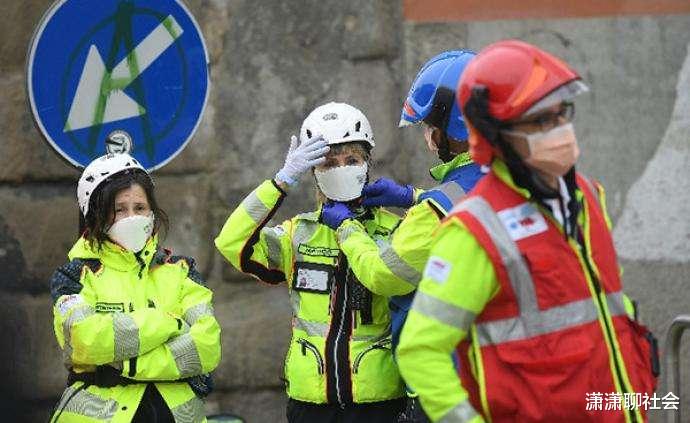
142,264
377,346
338,375
338,338
609,336
306,345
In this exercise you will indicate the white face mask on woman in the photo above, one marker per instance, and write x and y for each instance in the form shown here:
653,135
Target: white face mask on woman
342,183
132,232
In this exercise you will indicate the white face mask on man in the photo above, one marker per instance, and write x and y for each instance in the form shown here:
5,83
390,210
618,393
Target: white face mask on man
132,232
553,152
342,183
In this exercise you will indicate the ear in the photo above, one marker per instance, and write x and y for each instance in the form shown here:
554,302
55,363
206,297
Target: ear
432,136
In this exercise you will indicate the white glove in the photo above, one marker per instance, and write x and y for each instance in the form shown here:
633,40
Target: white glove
301,158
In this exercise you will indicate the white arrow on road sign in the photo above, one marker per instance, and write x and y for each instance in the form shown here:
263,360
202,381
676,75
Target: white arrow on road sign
100,96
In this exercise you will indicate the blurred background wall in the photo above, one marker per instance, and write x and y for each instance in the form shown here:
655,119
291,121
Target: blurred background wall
271,63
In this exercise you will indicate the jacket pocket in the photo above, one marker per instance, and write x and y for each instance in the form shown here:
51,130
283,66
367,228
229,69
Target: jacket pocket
381,345
308,346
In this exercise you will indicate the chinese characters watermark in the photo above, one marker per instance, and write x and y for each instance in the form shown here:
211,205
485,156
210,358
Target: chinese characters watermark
631,401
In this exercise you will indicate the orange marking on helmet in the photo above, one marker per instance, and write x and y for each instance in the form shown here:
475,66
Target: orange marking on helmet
409,110
536,78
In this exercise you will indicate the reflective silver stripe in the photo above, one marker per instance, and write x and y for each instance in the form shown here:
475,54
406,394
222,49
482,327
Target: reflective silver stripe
462,412
530,325
398,266
532,321
344,232
275,257
452,190
191,411
304,231
295,301
446,313
87,404
311,328
616,304
194,313
126,336
373,338
186,356
519,275
79,313
254,207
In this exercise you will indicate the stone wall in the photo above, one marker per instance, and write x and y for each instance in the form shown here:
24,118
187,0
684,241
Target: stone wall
271,63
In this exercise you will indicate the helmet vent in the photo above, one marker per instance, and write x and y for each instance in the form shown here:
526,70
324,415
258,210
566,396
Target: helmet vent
89,178
346,135
308,133
105,173
357,126
366,136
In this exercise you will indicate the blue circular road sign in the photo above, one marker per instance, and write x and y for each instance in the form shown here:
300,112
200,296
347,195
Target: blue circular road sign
98,66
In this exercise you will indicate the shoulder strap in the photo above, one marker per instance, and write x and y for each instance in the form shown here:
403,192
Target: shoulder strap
66,280
193,274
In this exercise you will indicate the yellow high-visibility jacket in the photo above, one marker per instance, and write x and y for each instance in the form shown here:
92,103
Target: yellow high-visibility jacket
449,297
148,315
340,348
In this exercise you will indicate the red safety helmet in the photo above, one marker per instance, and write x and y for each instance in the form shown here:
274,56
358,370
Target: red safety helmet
507,80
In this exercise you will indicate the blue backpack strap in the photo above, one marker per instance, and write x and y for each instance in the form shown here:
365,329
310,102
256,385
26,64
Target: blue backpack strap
399,305
444,195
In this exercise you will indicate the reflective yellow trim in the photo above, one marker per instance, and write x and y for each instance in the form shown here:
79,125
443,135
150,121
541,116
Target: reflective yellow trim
480,377
613,350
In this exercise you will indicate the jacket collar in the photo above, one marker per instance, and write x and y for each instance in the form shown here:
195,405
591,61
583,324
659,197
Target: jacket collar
500,169
445,171
115,256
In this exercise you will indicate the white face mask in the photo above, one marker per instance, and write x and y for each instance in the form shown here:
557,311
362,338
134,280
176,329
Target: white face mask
342,183
553,152
132,232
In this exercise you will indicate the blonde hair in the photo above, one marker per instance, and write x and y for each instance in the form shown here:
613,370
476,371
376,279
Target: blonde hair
358,147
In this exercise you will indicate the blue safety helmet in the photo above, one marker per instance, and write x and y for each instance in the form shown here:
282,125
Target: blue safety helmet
433,93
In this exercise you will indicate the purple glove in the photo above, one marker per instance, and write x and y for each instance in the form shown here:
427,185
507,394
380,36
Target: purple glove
387,192
334,212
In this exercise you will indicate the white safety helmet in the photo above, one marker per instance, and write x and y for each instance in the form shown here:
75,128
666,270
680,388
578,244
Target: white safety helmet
338,123
98,171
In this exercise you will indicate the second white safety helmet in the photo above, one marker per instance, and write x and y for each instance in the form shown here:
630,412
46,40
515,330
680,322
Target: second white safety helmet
98,171
338,123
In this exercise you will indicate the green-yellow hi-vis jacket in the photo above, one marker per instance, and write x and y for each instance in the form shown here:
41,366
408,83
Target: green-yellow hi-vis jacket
146,318
399,263
340,346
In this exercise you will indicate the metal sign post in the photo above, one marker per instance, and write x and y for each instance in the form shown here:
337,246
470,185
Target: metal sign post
136,66
672,364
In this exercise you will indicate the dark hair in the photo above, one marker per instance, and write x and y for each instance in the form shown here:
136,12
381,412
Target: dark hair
102,206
